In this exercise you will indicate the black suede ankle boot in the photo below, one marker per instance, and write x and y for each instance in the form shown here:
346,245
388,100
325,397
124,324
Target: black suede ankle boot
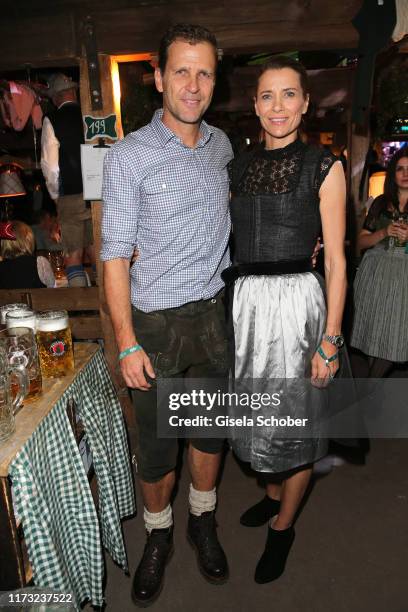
260,513
272,563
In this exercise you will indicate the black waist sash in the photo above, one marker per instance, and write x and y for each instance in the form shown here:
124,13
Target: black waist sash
266,268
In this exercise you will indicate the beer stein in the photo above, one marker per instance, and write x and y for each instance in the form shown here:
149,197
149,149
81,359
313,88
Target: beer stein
21,318
54,343
10,307
8,405
21,349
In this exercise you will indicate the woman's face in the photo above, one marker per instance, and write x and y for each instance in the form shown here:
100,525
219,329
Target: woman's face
280,104
401,173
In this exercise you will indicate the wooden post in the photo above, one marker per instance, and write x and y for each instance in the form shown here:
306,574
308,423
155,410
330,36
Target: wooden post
360,141
110,106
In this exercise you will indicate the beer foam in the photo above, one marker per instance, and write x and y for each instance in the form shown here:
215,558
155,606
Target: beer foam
51,325
19,318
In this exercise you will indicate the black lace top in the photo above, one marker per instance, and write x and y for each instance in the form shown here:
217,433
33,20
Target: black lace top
278,170
275,202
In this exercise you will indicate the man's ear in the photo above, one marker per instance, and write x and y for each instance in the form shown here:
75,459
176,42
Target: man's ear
158,79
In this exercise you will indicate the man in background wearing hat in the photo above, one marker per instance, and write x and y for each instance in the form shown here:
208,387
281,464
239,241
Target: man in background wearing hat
62,135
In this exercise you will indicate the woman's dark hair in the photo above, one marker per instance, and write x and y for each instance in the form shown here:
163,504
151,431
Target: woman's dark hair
390,186
189,33
281,61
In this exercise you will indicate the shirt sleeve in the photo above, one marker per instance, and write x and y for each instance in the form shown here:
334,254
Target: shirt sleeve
371,220
50,158
120,195
45,272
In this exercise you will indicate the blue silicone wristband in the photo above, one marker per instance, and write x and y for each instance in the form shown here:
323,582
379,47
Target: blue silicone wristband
129,351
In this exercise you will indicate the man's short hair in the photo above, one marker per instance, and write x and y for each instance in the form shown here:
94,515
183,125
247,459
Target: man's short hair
184,31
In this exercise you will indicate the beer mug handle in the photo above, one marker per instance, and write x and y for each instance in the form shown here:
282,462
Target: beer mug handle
21,374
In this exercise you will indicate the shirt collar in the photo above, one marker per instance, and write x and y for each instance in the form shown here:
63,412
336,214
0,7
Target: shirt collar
165,134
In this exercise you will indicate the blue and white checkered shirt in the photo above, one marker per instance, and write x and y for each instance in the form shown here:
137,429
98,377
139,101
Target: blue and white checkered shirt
171,202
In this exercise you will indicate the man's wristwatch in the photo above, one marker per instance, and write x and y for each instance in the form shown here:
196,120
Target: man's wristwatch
336,340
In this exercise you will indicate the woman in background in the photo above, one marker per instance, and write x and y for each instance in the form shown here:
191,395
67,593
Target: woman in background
380,327
19,267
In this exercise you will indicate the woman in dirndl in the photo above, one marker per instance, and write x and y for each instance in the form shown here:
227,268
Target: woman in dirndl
284,193
380,327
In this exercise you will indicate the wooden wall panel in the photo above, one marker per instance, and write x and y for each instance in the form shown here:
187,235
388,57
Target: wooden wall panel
37,41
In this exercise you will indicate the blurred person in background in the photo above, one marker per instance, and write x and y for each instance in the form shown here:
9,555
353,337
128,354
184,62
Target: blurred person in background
62,136
47,231
380,327
19,266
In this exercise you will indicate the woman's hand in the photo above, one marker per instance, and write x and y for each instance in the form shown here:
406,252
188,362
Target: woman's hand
402,232
392,230
321,373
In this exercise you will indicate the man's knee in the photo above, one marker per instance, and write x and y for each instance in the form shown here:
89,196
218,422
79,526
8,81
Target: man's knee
212,446
156,460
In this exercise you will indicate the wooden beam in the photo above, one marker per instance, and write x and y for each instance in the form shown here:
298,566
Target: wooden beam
240,26
276,9
70,298
110,347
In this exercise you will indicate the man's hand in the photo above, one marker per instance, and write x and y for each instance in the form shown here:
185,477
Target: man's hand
134,367
316,251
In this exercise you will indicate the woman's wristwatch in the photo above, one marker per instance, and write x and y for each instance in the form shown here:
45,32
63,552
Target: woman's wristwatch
337,341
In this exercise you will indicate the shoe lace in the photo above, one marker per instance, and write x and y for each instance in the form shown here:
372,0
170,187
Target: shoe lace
155,549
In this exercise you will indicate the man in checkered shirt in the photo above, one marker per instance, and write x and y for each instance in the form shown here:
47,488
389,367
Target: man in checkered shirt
166,194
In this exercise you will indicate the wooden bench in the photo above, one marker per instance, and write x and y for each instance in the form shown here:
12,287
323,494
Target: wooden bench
82,304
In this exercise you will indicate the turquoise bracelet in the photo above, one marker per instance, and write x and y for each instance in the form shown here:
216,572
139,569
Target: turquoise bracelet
325,357
129,351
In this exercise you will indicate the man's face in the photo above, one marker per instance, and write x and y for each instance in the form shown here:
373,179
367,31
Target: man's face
187,83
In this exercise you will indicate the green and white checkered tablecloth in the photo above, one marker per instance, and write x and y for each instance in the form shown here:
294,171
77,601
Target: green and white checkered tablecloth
52,494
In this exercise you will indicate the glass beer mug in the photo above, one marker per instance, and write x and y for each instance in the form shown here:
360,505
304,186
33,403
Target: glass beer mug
9,308
21,318
8,405
21,350
54,343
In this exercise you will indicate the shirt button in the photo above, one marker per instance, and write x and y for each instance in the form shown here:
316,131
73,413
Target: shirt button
213,301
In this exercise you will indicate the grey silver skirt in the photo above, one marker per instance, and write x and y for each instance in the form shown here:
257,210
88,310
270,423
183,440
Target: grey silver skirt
278,324
380,327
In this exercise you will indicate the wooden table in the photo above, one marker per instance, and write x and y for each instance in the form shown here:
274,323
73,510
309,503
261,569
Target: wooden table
32,413
14,566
